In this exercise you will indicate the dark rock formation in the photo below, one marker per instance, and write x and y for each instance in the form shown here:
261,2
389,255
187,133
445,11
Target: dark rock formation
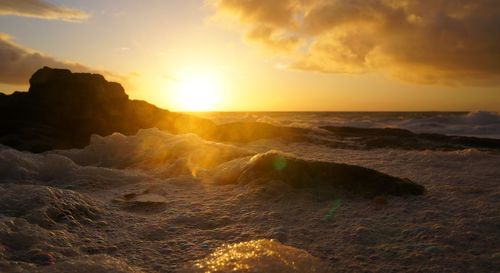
302,173
62,109
373,138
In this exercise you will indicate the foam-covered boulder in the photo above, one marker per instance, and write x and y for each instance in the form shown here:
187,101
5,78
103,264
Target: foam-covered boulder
303,173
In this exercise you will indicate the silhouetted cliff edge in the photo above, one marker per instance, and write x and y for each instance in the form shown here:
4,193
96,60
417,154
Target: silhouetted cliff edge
62,109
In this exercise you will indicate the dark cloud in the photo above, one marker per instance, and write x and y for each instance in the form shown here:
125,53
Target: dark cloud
19,63
40,9
439,41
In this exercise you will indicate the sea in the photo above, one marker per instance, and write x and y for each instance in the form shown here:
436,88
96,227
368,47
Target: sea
162,202
479,123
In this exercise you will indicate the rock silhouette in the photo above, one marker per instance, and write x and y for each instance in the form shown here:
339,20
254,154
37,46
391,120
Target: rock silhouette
62,109
303,173
374,138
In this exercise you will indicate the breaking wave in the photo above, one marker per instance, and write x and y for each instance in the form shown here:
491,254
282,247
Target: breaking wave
156,151
57,170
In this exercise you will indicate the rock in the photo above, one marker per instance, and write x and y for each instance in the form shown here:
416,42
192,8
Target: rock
302,173
373,138
63,109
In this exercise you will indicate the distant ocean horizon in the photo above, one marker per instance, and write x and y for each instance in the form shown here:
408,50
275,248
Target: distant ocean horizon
484,124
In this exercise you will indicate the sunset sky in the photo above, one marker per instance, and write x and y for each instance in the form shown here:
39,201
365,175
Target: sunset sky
261,55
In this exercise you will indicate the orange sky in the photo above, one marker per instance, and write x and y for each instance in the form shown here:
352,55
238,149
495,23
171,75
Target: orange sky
259,55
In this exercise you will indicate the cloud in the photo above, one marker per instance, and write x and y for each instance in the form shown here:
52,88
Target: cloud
455,42
19,63
40,9
267,35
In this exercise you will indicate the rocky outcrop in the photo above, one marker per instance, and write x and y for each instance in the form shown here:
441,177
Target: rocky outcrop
395,138
62,109
303,173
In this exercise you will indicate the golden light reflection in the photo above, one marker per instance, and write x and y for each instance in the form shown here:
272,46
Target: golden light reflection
259,256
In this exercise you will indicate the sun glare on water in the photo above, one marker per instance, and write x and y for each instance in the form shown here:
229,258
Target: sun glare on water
201,92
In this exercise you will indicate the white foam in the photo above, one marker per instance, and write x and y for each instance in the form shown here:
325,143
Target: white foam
55,169
95,264
481,124
156,151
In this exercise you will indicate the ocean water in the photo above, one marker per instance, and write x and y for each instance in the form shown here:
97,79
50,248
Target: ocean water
160,202
480,124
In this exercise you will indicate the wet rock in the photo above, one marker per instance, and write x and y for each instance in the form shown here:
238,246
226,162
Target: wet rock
302,173
373,138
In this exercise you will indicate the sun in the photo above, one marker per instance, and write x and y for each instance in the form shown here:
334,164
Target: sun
197,93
